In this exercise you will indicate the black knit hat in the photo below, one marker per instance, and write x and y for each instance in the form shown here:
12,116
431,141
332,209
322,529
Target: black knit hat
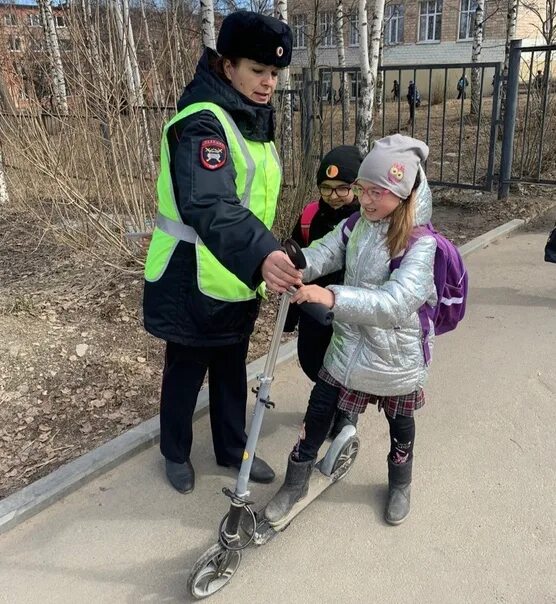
341,163
249,35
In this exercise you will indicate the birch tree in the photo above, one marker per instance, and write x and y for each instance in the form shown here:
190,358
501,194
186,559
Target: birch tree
157,89
207,24
4,197
478,29
281,13
60,97
133,76
344,92
369,69
511,24
365,109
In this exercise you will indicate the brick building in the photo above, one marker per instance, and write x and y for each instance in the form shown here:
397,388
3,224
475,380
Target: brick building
22,49
415,32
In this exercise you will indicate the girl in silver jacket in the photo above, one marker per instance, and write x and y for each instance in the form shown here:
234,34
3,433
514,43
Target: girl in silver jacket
376,353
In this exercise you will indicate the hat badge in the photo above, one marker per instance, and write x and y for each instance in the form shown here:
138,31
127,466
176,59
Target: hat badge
332,171
279,51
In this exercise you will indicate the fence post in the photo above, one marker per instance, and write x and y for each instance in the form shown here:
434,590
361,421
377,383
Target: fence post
307,112
510,113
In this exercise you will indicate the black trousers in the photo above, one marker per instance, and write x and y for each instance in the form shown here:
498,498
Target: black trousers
184,371
320,411
312,342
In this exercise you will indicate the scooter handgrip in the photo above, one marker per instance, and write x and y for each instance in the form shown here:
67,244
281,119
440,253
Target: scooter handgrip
319,312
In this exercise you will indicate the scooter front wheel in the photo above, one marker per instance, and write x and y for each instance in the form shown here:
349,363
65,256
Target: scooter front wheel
212,571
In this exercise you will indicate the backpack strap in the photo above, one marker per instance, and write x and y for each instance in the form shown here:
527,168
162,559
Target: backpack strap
349,225
307,215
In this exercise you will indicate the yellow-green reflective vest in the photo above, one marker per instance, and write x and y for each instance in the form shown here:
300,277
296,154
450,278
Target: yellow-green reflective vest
258,178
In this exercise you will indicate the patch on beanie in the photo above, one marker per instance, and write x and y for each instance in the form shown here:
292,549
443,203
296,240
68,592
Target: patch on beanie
396,173
279,51
332,171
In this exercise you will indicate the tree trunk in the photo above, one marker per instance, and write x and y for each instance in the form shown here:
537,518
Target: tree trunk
365,109
511,23
207,24
131,67
281,13
4,197
55,58
478,28
157,89
344,91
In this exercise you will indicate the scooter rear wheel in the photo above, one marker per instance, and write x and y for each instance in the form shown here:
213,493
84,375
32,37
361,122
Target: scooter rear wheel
212,571
345,459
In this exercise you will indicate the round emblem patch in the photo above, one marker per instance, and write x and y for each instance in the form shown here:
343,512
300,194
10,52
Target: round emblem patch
332,171
279,51
213,154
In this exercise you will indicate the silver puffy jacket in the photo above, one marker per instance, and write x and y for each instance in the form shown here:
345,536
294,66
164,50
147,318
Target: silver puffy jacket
376,346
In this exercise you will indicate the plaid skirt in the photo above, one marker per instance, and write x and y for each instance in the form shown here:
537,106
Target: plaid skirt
355,401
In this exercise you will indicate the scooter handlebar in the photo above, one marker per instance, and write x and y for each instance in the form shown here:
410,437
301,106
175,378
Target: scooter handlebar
319,312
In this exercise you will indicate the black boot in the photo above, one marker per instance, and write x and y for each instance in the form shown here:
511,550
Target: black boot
295,487
399,491
341,419
181,475
260,470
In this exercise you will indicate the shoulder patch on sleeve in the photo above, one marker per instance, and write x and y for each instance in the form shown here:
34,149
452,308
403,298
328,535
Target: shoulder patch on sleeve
213,154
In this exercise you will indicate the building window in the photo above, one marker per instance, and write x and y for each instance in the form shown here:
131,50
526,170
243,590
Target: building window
354,29
430,20
60,21
37,44
299,26
326,85
354,79
297,81
326,29
393,24
34,20
466,19
14,44
10,20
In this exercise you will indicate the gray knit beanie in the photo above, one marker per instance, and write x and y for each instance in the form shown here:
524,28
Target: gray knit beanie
393,163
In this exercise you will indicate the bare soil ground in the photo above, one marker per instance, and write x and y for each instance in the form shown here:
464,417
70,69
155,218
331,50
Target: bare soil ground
77,368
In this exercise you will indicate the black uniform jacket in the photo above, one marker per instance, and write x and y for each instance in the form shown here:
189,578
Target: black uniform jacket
323,222
174,309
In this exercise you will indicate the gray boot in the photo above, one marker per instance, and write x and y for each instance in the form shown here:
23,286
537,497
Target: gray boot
399,491
295,487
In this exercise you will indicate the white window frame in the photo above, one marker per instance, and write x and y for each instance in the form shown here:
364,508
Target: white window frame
10,20
430,14
60,21
393,24
354,83
299,28
467,15
34,20
14,44
353,30
327,31
325,84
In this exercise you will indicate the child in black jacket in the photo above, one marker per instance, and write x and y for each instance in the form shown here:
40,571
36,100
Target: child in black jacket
337,170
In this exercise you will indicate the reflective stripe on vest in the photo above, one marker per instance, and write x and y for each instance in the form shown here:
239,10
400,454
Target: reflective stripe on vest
258,177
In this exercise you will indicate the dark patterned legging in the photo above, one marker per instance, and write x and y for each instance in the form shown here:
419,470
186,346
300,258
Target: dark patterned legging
320,412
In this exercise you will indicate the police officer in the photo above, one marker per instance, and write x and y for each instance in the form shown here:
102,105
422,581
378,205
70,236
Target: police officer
212,248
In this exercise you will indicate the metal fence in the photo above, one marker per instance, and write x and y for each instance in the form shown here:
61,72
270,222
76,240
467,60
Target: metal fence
529,147
423,101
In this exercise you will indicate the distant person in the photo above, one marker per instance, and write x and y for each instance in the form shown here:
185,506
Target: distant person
413,100
463,83
396,90
539,84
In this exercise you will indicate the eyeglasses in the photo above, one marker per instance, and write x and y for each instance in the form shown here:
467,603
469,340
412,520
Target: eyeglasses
341,190
374,193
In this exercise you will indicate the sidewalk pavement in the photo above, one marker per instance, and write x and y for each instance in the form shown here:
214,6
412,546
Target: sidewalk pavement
482,527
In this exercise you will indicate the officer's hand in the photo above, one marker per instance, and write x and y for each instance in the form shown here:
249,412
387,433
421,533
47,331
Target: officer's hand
279,272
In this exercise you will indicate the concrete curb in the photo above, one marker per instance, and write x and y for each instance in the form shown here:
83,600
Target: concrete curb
40,494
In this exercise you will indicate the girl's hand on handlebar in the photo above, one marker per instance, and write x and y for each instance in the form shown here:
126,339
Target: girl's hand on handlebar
315,294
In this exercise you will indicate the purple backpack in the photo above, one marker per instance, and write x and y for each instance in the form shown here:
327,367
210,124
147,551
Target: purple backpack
450,279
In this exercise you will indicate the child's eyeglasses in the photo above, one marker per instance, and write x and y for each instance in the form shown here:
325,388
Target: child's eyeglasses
374,193
341,191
